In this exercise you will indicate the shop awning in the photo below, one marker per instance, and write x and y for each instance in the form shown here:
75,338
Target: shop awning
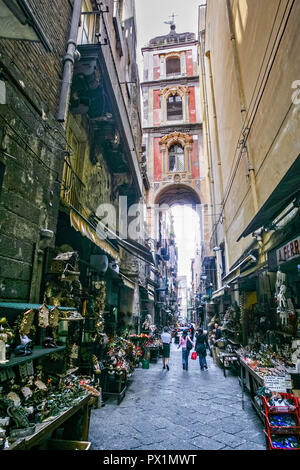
253,270
129,245
137,249
127,282
284,193
218,293
82,226
234,273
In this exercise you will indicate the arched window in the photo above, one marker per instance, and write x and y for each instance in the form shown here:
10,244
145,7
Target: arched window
176,158
173,66
174,108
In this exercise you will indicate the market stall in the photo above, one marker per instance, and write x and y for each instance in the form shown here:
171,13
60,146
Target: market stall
36,399
226,340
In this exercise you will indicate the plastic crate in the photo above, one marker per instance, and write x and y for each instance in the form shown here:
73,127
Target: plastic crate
283,429
282,409
271,444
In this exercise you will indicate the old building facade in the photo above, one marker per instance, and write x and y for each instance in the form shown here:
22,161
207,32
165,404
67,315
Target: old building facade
172,132
250,67
70,155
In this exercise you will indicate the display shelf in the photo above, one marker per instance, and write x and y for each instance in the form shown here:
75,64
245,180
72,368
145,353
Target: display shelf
43,430
37,352
27,306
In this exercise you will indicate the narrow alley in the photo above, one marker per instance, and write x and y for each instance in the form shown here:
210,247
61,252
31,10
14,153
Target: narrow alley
178,410
150,193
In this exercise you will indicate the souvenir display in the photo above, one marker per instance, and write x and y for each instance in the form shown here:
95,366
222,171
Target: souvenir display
43,316
26,322
6,338
265,361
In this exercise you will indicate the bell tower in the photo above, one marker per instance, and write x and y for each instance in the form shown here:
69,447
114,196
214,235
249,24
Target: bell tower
172,127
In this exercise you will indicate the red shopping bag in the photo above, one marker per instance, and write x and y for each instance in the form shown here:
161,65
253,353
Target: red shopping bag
194,355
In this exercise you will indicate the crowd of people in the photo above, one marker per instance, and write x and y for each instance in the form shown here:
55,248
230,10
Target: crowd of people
191,338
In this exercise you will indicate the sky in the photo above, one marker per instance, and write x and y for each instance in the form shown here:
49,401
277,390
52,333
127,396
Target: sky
186,222
151,14
150,17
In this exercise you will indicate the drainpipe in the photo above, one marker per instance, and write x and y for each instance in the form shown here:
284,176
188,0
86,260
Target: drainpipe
68,63
208,140
244,111
212,87
216,125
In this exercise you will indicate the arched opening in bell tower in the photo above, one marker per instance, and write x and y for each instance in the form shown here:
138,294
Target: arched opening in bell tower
179,213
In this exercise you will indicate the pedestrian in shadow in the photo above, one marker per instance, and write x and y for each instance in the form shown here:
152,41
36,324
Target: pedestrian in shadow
200,348
167,340
187,344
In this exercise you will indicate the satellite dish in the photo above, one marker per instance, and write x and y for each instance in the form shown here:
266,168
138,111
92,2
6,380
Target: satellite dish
99,262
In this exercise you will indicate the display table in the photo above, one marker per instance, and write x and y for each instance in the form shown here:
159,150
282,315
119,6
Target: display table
227,360
250,379
77,414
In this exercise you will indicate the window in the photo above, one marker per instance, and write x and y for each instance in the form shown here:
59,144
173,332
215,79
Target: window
72,185
176,158
174,108
173,66
85,24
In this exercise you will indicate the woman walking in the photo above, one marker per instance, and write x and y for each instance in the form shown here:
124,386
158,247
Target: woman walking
167,340
187,344
200,348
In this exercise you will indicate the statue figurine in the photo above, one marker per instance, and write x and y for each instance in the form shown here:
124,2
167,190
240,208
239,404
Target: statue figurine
6,337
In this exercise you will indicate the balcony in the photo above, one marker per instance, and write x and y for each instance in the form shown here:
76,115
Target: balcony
97,93
72,186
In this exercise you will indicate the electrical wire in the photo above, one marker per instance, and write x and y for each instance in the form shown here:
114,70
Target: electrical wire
246,127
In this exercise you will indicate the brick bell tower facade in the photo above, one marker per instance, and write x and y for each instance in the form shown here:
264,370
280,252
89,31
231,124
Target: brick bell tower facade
172,127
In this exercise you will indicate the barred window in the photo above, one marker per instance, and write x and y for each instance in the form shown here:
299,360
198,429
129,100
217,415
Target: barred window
176,158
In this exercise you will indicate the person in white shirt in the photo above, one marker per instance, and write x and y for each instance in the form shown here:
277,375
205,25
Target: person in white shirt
167,340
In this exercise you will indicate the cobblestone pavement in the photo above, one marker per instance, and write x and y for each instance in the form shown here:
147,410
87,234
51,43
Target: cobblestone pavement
178,410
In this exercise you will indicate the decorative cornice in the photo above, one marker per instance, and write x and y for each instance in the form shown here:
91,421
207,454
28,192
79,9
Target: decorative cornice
174,137
188,128
167,81
179,89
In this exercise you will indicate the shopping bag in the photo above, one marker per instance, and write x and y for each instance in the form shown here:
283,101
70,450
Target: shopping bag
194,355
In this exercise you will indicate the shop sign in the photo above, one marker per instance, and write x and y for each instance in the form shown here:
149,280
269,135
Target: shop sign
278,383
289,251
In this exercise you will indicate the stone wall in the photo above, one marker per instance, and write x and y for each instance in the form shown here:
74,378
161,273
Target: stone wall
32,146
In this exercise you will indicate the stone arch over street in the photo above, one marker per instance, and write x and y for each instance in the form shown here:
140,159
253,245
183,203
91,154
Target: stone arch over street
178,194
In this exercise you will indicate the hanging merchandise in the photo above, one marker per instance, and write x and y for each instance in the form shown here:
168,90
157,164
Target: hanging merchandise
43,316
